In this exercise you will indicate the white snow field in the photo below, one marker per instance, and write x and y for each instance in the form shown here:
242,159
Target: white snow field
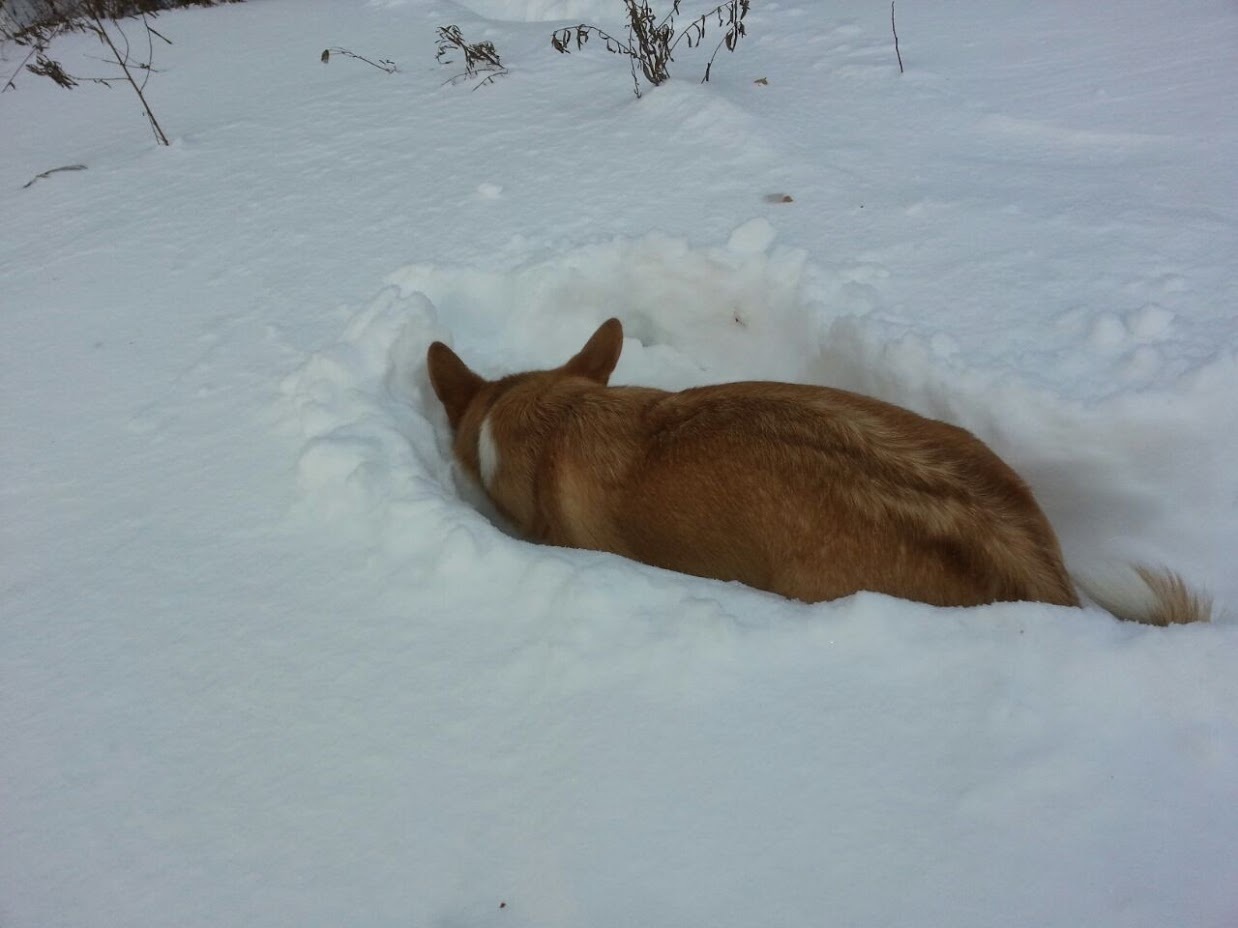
265,658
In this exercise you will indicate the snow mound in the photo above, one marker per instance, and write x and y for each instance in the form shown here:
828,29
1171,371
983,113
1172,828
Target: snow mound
356,401
691,315
1111,476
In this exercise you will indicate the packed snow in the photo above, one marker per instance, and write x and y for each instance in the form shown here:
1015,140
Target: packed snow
267,658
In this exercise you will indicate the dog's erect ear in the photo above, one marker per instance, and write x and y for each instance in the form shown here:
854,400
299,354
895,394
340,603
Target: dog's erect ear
598,358
452,380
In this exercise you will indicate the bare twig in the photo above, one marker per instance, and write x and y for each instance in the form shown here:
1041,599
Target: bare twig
123,61
383,64
895,31
67,167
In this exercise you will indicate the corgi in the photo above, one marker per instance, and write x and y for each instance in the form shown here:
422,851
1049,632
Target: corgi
809,492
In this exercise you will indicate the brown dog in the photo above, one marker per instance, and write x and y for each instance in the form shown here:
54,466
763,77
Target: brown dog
810,492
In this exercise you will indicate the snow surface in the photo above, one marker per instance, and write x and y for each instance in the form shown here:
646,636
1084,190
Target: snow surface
267,660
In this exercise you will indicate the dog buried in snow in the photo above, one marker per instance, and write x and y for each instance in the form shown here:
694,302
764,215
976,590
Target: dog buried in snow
809,492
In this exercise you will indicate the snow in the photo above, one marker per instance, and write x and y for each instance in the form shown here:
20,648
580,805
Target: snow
267,658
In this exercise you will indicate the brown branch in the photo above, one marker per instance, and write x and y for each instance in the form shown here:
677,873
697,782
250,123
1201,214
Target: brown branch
122,61
895,31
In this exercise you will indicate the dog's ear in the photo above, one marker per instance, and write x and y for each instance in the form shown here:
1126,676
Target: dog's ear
452,380
598,358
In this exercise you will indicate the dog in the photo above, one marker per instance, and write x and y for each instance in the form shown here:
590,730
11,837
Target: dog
809,492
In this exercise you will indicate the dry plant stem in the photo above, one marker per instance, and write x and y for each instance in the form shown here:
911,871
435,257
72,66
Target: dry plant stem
694,32
150,48
10,85
67,167
488,79
895,31
383,64
122,61
479,57
652,43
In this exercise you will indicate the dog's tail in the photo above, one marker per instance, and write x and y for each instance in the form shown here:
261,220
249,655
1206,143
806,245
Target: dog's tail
1149,595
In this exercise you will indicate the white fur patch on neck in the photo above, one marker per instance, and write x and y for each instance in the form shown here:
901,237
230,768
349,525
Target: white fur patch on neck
487,454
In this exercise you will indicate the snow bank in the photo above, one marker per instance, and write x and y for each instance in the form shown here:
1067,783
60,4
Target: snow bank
636,733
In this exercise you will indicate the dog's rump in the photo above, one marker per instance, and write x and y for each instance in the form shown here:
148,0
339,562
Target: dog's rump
813,492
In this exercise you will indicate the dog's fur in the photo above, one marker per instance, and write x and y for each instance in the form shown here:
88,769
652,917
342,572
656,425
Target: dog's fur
810,492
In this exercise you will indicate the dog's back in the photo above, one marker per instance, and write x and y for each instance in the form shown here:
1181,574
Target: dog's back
805,491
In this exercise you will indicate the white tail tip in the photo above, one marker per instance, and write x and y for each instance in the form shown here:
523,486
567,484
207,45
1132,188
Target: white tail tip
1148,595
